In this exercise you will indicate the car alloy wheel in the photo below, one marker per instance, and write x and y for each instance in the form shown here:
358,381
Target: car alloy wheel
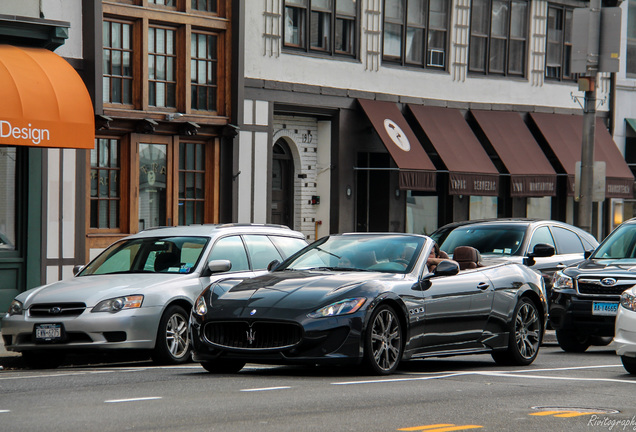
383,347
525,335
173,340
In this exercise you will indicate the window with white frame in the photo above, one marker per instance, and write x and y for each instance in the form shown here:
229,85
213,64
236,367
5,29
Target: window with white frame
415,32
558,43
498,37
321,26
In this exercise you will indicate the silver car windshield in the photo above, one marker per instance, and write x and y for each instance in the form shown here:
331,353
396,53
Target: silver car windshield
488,240
149,255
621,244
385,253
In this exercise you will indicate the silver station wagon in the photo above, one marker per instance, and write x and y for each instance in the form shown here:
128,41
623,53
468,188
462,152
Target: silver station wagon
138,293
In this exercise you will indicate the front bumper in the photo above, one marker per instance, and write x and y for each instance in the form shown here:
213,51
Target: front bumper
126,329
335,340
568,311
625,333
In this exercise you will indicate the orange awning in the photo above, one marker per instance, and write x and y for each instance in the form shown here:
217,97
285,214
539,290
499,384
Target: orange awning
43,101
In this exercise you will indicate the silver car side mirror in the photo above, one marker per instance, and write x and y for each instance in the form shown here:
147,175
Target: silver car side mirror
219,266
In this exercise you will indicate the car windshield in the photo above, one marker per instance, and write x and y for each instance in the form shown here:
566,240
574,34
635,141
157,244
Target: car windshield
488,240
620,244
381,253
149,255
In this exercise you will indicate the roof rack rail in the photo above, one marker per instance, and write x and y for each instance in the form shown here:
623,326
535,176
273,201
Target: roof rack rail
235,224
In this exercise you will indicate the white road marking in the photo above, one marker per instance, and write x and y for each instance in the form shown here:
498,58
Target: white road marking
266,389
132,399
4,411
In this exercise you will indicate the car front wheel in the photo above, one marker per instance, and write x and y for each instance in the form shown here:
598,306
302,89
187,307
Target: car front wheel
173,340
383,341
525,336
570,341
629,363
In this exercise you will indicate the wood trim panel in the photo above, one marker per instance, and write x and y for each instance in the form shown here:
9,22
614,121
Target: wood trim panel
172,16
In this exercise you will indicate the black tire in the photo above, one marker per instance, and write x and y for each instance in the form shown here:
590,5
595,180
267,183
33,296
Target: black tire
173,340
629,363
383,344
526,332
573,342
601,340
223,366
43,359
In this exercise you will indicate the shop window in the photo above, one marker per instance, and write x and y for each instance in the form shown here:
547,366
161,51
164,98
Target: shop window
153,185
630,60
416,32
203,72
498,37
559,43
105,198
8,204
327,26
117,62
162,58
204,5
191,183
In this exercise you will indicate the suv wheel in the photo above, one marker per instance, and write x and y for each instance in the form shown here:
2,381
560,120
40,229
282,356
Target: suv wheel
573,342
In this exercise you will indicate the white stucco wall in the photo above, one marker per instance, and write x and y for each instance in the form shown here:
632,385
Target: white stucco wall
69,11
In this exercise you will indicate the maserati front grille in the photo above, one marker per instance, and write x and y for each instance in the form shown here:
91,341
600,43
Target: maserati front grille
257,335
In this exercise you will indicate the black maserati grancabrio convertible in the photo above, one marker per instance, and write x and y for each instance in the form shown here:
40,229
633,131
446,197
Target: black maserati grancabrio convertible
371,299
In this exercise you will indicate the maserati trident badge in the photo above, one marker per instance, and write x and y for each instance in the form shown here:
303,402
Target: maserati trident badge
251,336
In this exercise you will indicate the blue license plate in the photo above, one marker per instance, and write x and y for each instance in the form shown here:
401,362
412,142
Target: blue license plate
604,308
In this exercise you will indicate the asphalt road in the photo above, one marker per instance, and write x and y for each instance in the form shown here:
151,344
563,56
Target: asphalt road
559,392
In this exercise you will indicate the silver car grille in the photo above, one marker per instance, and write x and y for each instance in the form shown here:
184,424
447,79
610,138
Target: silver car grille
603,286
53,310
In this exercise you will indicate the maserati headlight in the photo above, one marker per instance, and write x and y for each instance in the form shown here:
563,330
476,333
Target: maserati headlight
343,307
119,303
200,308
561,281
628,300
16,308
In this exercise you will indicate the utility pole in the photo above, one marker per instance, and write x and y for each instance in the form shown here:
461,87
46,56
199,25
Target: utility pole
588,83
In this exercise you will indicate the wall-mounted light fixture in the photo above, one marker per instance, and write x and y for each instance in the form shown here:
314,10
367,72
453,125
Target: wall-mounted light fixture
348,191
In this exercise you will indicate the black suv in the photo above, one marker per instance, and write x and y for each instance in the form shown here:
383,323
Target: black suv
585,297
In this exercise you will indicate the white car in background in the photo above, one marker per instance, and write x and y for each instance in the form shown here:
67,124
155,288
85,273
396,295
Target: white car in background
625,333
138,293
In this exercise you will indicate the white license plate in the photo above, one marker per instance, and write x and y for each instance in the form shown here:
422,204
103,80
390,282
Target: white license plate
48,332
604,308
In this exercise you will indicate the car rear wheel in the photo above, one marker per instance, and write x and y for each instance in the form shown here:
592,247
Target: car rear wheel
629,363
173,340
573,342
43,359
383,341
222,366
525,336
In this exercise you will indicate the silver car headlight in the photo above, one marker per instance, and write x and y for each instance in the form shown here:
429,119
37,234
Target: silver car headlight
342,307
628,299
119,303
561,281
16,308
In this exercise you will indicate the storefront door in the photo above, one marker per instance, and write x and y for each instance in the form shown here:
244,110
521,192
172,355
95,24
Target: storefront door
282,185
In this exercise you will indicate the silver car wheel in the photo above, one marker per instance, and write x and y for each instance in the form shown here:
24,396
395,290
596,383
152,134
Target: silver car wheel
527,330
177,336
386,340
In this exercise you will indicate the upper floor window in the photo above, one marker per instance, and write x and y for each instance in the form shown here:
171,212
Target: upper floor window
203,74
498,37
105,186
205,5
327,26
162,58
559,43
162,2
416,32
630,60
117,53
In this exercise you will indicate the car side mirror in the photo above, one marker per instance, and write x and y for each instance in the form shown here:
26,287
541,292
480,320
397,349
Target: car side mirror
76,269
541,250
446,268
219,266
272,266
